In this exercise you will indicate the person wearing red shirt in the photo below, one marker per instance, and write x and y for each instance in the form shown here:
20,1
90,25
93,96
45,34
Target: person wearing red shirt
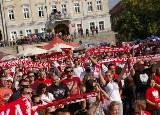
73,84
157,77
153,99
42,79
139,107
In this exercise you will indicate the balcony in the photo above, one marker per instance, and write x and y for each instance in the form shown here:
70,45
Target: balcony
54,17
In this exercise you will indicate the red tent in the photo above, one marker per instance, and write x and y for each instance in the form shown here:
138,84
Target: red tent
57,40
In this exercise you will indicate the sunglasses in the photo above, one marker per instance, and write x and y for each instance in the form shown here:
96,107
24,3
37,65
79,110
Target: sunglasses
25,86
69,71
38,103
31,76
28,92
9,81
108,75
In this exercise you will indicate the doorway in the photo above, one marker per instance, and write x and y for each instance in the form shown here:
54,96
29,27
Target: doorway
62,28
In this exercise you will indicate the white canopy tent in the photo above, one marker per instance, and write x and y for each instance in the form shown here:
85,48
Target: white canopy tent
8,57
31,51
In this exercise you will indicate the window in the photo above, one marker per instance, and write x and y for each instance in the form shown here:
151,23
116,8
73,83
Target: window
28,32
53,8
89,4
92,25
79,26
64,9
42,30
101,25
11,14
36,31
21,33
99,5
41,11
7,0
13,35
26,13
77,7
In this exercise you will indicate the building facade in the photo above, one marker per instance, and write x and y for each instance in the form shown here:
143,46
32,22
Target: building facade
115,13
21,18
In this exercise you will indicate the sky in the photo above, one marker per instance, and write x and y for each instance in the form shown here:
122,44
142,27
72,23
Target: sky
112,3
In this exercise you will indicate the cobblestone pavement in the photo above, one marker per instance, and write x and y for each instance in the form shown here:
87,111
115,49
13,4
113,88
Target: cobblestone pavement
101,37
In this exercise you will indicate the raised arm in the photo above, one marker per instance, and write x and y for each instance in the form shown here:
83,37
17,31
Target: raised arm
132,71
102,78
95,105
93,60
105,95
123,71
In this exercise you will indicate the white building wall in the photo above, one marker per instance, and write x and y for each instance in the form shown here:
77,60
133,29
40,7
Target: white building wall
36,22
86,23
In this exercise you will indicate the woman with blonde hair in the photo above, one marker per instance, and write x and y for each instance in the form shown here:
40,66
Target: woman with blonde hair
111,86
113,108
139,107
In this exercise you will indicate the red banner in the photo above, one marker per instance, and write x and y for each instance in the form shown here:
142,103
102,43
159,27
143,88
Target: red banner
113,60
38,65
67,101
15,62
49,55
133,60
97,69
102,49
148,57
19,107
59,58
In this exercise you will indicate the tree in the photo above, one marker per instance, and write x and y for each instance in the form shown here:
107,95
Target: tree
139,19
49,31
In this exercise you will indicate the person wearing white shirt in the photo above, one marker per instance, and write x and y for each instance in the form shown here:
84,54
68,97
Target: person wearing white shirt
46,97
111,86
77,69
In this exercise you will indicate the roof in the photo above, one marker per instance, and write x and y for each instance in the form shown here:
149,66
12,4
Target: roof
116,7
55,41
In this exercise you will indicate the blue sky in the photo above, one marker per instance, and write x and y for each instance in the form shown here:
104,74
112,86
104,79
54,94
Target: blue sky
112,3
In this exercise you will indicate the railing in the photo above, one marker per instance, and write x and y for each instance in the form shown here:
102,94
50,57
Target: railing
59,16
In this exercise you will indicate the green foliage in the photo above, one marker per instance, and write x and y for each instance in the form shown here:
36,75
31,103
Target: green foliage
141,18
49,31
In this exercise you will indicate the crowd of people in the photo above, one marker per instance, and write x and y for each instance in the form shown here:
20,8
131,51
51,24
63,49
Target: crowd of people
34,38
136,92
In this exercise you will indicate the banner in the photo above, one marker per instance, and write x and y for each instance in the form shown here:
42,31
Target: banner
49,55
97,69
67,101
62,57
133,60
147,58
38,65
19,107
15,62
104,49
113,60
